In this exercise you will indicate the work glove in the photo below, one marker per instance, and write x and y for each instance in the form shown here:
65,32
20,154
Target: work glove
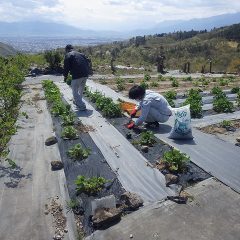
131,125
133,113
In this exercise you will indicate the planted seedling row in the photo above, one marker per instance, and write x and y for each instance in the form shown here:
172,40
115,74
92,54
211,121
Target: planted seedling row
87,173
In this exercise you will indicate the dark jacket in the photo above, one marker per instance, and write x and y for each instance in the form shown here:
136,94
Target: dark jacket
75,63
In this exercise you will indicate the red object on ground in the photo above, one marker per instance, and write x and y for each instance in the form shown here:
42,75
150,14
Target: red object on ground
130,125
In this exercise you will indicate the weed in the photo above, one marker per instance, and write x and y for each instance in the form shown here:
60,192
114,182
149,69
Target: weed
176,160
78,152
69,132
89,185
147,138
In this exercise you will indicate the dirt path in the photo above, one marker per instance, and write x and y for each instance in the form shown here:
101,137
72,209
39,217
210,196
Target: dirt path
27,191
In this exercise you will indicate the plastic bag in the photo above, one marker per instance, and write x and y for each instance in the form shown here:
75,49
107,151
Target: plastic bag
182,123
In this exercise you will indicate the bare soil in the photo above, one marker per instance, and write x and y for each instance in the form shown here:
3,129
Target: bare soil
224,133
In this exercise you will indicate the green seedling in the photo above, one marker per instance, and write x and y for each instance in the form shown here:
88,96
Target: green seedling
226,124
175,160
147,77
89,186
147,138
195,100
235,90
154,84
25,115
78,152
69,132
144,85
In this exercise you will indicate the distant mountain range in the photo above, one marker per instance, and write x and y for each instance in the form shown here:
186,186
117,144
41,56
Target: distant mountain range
195,24
55,29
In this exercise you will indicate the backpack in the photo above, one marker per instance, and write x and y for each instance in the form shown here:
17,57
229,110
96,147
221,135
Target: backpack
89,63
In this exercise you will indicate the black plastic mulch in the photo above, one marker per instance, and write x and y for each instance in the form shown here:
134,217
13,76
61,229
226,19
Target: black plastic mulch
94,165
193,174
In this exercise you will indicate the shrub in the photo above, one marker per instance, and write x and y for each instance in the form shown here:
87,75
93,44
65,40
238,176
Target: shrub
147,138
53,58
78,152
89,185
176,160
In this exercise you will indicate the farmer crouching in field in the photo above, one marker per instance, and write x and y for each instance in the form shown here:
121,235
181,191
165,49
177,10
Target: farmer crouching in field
154,107
78,65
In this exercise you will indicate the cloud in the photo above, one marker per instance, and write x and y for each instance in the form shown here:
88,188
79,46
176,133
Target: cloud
113,14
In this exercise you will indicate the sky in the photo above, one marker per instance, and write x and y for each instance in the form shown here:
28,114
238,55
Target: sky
113,14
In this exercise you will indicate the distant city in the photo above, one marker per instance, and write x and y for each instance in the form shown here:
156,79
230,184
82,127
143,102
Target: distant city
40,44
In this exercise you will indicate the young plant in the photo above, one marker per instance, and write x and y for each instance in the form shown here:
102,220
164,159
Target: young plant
221,104
175,160
175,83
195,101
226,124
72,204
68,119
238,99
112,110
147,77
216,90
154,84
130,80
144,85
147,138
69,132
161,78
223,82
235,90
89,186
170,95
78,152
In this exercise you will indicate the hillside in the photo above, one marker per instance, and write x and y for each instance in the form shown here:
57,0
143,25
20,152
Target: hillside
6,50
221,46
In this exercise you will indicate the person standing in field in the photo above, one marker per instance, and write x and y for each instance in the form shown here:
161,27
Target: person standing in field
78,65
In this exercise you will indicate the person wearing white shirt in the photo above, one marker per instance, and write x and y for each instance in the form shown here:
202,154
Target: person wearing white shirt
154,107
